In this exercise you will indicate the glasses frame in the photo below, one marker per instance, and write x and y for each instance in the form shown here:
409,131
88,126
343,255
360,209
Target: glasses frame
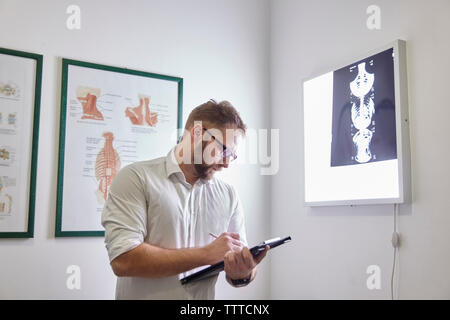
232,155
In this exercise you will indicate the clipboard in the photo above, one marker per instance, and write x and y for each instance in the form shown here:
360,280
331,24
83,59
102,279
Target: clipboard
218,267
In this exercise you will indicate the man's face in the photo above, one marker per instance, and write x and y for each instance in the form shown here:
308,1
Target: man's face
212,150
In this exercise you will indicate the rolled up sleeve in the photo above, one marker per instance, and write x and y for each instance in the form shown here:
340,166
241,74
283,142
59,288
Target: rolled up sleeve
124,215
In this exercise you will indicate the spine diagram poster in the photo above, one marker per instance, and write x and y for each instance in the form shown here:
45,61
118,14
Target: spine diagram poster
20,89
110,117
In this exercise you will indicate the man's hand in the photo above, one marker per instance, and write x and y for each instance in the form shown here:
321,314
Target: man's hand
239,264
217,249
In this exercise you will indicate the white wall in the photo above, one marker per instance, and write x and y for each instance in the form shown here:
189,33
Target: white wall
219,47
333,246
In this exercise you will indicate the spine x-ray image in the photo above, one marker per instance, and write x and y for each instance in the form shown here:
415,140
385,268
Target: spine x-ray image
363,128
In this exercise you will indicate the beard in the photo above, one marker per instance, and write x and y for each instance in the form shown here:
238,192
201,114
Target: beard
203,170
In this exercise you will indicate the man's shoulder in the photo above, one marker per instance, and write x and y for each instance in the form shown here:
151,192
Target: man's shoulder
145,167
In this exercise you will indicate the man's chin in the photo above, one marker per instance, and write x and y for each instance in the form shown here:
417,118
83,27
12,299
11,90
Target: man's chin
208,174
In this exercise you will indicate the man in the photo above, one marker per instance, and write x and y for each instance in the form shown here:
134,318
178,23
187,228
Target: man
161,215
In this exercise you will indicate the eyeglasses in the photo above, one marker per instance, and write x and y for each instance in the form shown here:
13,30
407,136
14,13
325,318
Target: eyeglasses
226,152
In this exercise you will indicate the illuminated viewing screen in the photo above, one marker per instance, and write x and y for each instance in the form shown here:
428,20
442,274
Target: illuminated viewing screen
350,133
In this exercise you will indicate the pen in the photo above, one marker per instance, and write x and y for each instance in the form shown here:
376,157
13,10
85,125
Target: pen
212,234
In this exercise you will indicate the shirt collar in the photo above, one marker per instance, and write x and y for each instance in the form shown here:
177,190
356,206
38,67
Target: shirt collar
172,167
171,163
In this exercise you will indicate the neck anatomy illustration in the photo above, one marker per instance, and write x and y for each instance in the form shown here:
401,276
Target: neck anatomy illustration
141,115
88,98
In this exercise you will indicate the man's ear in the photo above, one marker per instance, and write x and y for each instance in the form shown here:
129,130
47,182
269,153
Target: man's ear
196,131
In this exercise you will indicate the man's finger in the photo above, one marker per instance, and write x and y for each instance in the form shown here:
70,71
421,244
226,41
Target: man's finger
240,258
226,261
236,242
248,257
262,255
235,235
232,259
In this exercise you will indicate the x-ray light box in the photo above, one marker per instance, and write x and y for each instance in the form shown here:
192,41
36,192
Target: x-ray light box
356,132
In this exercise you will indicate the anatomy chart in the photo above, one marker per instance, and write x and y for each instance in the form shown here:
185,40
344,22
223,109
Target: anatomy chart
19,95
111,117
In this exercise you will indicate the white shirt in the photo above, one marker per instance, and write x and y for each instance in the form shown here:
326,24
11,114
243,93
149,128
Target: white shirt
151,201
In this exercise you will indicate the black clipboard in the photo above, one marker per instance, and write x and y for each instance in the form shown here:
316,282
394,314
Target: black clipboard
218,267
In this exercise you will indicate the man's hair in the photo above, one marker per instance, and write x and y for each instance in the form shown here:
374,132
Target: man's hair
221,114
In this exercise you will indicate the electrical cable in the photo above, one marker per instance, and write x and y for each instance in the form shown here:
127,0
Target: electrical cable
395,251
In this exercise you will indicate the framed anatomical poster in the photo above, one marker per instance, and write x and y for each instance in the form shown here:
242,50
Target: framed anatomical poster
20,95
110,117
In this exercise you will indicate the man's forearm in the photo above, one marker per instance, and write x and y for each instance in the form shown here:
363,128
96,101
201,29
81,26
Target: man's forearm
153,262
